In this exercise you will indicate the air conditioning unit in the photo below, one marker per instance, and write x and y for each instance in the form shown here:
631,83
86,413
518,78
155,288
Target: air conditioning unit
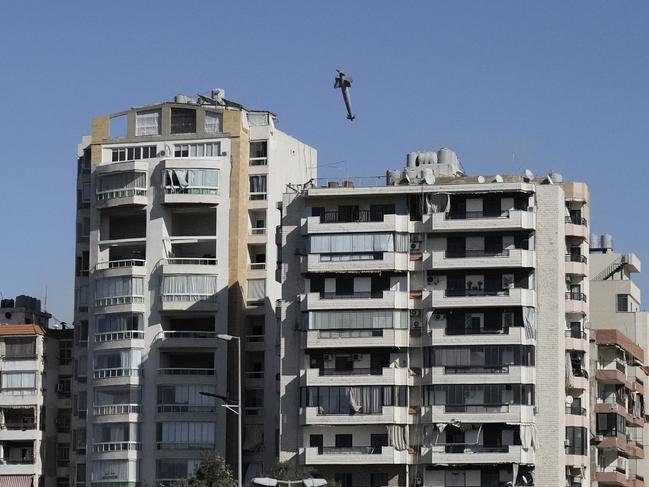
415,325
419,481
356,357
439,316
566,443
598,438
415,246
415,313
328,357
416,237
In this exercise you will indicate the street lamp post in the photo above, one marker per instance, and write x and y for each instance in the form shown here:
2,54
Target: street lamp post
236,409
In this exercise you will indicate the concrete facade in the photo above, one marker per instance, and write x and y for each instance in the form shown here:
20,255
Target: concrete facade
434,330
171,230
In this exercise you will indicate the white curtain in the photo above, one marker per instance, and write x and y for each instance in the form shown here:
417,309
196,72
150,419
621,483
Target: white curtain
106,397
398,437
186,394
118,322
352,242
529,322
119,359
17,381
256,289
188,287
147,123
116,432
119,470
119,287
357,319
196,433
213,122
257,184
437,202
570,376
121,181
528,436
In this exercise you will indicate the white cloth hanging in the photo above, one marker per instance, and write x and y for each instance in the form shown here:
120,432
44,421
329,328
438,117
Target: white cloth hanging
529,322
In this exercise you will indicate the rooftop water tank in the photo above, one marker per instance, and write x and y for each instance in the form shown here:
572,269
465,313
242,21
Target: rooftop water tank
411,159
445,156
555,177
594,241
607,242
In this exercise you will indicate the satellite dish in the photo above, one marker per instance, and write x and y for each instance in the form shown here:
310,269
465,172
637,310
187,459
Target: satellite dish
529,174
569,400
481,179
498,178
548,180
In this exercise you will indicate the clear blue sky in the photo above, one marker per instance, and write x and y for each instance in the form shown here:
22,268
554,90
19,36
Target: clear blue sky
562,85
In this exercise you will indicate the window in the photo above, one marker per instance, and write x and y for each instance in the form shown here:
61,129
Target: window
258,187
186,435
115,470
186,398
191,181
622,303
81,470
119,290
62,454
187,288
134,153
20,347
63,388
183,121
256,289
258,119
171,469
576,440
357,319
63,418
353,400
259,153
343,479
147,123
344,441
213,122
206,149
18,383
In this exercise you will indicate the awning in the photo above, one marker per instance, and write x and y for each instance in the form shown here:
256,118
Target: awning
16,480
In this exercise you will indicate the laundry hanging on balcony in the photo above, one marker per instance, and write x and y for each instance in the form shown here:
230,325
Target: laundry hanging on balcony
528,436
570,376
398,437
437,202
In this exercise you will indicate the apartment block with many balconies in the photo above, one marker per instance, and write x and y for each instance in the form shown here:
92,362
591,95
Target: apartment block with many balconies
433,329
35,379
619,341
175,227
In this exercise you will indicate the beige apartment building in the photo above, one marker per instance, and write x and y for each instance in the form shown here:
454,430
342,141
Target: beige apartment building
619,343
433,329
176,217
35,375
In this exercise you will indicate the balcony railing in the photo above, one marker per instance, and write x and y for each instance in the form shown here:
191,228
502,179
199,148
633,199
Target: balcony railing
353,295
576,258
18,391
117,264
163,445
119,335
354,371
575,296
185,408
452,293
497,330
377,332
483,369
118,372
580,373
254,411
257,231
191,261
19,461
349,450
257,374
254,338
189,334
19,425
472,448
185,371
576,411
576,220
356,216
257,196
461,253
113,409
258,161
473,215
195,190
116,446
120,193
186,297
116,300
579,334
257,266
476,408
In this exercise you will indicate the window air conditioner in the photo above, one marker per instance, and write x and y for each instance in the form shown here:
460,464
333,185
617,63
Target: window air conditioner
415,312
566,443
438,316
415,246
415,325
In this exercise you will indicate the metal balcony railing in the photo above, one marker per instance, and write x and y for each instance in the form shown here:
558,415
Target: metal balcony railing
453,293
120,193
257,231
576,258
185,371
576,220
476,408
116,446
185,408
354,371
117,372
112,409
473,369
257,266
162,445
576,410
353,295
119,335
189,334
576,296
579,334
117,264
191,261
462,253
349,450
354,216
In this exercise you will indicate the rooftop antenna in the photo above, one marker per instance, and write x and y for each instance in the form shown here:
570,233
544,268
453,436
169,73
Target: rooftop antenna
344,82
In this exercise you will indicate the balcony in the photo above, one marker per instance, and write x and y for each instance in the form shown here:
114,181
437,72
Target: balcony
119,335
375,337
477,413
115,372
483,259
441,335
613,407
577,228
617,338
117,409
255,343
450,298
622,444
576,302
575,191
357,300
388,415
363,220
190,182
189,265
498,374
576,340
472,221
370,261
576,264
357,376
365,455
257,235
184,292
112,446
121,267
476,454
615,478
187,363
122,185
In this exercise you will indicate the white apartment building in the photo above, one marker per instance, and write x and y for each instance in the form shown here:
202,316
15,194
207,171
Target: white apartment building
175,245
35,372
619,341
433,329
